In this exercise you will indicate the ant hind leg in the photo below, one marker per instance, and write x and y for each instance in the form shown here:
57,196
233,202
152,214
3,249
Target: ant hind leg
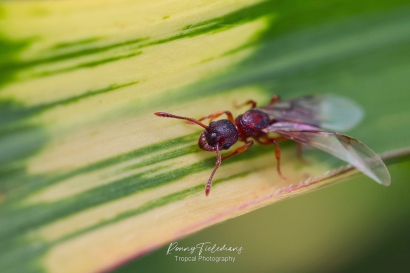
300,153
268,141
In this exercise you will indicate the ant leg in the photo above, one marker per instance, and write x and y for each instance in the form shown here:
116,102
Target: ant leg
274,99
268,141
265,140
299,153
251,102
217,114
277,154
213,116
217,164
239,150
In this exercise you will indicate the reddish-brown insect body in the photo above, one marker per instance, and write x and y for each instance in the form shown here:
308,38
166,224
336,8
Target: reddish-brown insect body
300,120
222,134
251,123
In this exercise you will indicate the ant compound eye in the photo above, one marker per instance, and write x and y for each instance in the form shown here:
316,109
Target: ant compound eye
213,135
227,146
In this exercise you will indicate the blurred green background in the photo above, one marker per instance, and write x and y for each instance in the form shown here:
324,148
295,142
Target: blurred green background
360,49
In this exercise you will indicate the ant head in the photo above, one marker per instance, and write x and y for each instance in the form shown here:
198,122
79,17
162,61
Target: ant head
221,133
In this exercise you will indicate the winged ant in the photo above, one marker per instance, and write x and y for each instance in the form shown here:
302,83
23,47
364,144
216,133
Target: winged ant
301,120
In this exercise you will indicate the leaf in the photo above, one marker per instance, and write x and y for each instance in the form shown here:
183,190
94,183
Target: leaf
91,178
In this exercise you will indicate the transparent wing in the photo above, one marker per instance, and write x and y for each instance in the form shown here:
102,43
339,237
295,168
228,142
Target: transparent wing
339,145
323,110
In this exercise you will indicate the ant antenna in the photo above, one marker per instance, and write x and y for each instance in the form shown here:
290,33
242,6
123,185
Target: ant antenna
218,154
217,164
166,115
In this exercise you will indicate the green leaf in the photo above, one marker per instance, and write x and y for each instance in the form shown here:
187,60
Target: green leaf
89,177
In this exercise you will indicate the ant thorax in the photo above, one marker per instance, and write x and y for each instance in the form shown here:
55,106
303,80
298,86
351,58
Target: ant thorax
251,123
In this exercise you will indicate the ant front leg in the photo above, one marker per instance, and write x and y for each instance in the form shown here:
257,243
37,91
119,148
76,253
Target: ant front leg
213,116
239,150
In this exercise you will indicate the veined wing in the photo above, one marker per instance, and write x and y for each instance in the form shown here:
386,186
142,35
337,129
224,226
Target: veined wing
322,110
339,145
